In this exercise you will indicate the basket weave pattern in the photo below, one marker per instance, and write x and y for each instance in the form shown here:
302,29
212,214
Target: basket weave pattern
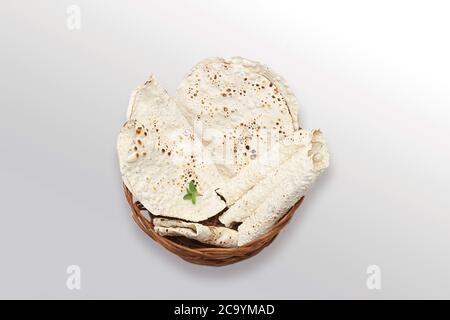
199,253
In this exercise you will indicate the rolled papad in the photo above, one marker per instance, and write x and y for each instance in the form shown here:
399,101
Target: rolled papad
232,190
291,181
217,236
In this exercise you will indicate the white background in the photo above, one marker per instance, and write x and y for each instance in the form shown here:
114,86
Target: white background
373,75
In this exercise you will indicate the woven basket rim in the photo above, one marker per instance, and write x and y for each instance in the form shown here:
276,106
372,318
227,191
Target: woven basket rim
206,254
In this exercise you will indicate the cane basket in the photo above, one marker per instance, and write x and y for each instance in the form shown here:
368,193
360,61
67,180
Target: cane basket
203,254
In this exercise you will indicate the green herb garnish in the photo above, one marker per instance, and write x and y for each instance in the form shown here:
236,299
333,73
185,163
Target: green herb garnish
191,192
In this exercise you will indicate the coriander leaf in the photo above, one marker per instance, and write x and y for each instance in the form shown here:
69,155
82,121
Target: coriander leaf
192,187
187,196
191,192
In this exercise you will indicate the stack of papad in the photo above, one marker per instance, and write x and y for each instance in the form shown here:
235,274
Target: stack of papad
232,129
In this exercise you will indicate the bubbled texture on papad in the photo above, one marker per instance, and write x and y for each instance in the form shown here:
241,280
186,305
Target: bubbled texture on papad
244,192
241,105
157,160
257,169
284,187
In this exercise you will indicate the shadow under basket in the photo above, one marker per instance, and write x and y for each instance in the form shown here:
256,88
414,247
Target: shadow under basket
199,253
